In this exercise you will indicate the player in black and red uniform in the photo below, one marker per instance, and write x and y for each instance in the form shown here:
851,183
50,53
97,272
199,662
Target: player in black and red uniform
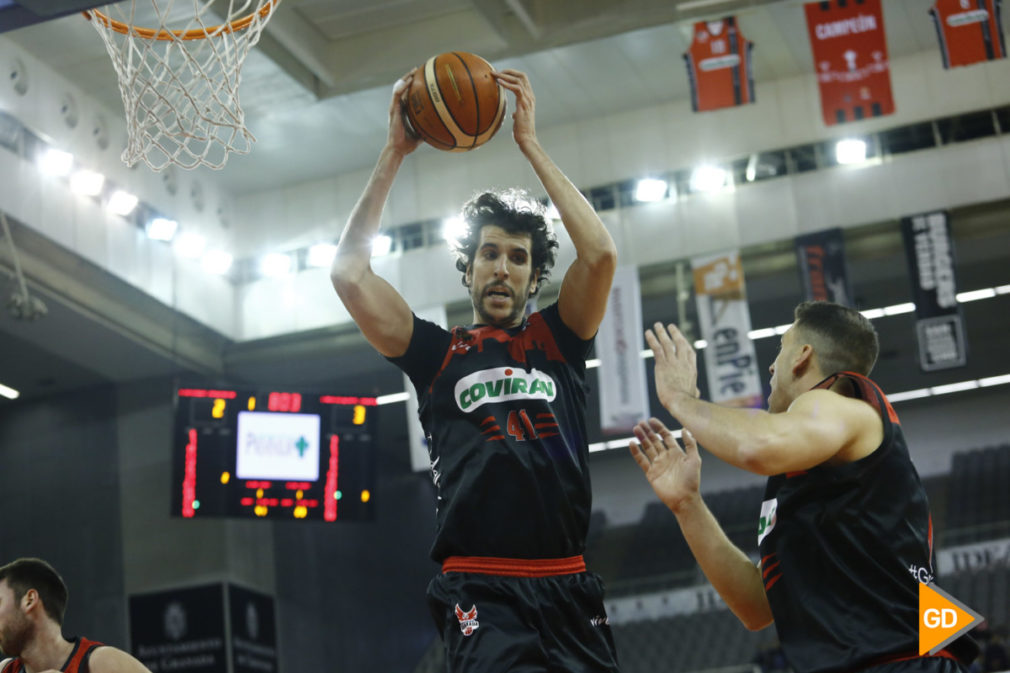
33,599
502,403
845,534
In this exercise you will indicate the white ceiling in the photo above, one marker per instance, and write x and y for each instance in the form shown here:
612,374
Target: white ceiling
316,88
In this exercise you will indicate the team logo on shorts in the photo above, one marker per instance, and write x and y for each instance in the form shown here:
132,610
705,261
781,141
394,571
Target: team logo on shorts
467,620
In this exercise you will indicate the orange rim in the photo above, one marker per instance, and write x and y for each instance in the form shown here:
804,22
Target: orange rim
195,34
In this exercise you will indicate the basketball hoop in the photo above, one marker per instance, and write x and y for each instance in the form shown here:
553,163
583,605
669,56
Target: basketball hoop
180,85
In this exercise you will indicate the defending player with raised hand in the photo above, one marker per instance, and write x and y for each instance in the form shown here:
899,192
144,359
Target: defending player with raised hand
844,535
502,402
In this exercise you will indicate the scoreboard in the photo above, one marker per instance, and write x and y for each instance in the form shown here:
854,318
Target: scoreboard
272,455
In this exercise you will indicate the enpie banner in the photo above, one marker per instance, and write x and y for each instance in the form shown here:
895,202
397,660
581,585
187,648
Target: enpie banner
730,361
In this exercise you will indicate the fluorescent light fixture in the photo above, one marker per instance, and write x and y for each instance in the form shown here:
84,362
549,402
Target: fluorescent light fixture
646,354
898,309
453,228
8,392
763,333
56,163
87,183
121,203
975,295
275,264
708,179
321,254
216,262
392,398
381,245
650,189
954,387
782,329
873,313
593,363
1002,289
698,4
994,381
190,245
552,212
850,151
161,229
909,395
700,344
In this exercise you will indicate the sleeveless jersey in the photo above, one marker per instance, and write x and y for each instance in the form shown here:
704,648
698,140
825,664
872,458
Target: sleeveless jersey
843,550
77,662
969,31
504,415
719,66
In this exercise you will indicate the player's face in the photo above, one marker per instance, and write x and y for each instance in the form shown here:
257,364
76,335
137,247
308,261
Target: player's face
781,370
15,628
500,277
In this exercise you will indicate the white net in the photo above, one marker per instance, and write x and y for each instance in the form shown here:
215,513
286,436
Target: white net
179,70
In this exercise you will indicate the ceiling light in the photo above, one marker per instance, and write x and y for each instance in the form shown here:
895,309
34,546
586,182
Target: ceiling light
975,295
552,212
850,151
650,190
275,264
190,245
381,245
708,179
161,229
321,254
8,392
216,262
87,183
55,162
121,203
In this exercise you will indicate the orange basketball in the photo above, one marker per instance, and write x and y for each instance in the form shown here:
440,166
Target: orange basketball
454,104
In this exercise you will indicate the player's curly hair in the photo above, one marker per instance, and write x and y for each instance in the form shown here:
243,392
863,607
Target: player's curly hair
517,213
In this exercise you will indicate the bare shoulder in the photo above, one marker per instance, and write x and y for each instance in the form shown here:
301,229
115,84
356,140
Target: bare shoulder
108,659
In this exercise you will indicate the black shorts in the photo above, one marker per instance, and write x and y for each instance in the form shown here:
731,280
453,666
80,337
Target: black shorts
495,623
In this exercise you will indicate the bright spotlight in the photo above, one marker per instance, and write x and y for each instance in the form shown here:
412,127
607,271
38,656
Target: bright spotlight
56,162
275,264
87,183
216,262
650,189
708,179
850,151
161,229
321,254
453,228
121,203
190,245
381,245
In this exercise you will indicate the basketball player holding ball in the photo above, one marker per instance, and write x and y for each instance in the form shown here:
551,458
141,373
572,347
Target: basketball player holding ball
502,403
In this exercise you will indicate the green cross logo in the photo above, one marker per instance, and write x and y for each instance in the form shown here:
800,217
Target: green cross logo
301,445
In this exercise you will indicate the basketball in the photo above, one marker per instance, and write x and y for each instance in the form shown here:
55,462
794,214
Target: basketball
454,104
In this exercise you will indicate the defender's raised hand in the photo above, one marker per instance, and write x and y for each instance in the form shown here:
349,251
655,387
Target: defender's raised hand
676,362
673,473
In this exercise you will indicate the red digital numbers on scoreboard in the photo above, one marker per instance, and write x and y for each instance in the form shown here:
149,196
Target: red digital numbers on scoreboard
289,402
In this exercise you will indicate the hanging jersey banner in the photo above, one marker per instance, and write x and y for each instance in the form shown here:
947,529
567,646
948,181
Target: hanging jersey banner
419,459
624,398
730,361
969,31
719,66
850,59
823,272
939,323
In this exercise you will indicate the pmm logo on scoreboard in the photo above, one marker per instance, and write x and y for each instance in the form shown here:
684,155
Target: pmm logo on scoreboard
277,446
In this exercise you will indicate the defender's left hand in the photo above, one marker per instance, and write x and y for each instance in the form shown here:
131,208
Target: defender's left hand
676,362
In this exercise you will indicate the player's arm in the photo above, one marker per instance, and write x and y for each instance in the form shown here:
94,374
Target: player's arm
586,285
378,309
675,476
108,659
819,426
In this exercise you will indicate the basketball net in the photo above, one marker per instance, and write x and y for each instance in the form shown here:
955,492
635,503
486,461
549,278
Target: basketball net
179,78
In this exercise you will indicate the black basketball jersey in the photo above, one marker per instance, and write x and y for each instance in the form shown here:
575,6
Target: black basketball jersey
843,549
77,662
503,411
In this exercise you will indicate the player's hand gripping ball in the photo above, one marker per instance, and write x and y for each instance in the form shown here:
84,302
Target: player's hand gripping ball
454,103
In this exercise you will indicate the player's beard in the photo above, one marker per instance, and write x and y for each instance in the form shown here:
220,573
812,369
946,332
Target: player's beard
15,635
478,297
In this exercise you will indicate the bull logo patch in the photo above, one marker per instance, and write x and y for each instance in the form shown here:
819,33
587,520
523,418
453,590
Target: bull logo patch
467,620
